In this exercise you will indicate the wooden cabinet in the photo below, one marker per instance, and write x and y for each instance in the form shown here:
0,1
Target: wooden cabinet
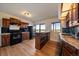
5,22
77,52
5,40
23,24
14,21
41,39
25,35
68,50
75,11
72,18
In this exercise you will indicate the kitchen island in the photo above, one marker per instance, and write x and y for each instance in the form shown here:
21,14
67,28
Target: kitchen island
41,39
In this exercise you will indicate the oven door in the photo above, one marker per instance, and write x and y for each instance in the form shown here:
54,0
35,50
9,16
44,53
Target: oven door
15,38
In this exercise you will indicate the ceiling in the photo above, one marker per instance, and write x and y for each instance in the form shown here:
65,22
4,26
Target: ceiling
39,11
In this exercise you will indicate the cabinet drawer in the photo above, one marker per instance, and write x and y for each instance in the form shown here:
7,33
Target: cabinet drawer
6,36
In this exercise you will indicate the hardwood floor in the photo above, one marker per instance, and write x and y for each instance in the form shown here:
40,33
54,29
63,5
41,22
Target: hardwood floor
27,48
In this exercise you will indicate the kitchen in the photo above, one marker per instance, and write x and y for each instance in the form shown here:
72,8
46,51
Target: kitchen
18,34
50,30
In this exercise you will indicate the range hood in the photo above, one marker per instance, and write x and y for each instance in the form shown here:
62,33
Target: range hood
14,27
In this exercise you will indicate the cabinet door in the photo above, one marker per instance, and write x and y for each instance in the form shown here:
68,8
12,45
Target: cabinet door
23,24
68,50
5,40
77,52
25,36
14,21
5,22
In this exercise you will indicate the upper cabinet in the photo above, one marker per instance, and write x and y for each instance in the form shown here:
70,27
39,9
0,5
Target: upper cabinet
23,24
74,15
14,21
18,22
5,22
71,15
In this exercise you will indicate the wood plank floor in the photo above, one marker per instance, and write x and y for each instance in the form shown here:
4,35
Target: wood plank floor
27,48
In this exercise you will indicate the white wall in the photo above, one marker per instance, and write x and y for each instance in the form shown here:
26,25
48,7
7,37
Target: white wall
47,22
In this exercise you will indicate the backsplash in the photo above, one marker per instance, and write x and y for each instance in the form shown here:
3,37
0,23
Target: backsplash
74,31
65,30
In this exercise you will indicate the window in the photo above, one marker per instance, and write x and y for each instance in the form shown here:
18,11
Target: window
37,28
40,28
52,26
55,26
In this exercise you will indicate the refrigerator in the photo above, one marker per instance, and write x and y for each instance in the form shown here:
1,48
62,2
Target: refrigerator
30,30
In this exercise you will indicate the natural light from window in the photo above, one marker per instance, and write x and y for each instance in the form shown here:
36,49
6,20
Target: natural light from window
42,27
55,26
37,28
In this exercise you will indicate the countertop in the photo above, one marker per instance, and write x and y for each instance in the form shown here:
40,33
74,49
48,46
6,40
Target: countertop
70,40
25,32
4,33
9,33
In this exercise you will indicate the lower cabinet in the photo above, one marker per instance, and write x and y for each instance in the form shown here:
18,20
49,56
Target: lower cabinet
68,50
5,40
25,35
77,52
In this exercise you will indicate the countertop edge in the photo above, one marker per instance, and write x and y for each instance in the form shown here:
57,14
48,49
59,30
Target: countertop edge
62,38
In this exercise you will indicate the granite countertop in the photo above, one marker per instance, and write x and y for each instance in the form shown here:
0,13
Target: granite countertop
70,40
8,33
25,32
4,33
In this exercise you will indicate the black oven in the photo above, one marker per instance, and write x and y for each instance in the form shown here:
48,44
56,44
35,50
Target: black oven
15,37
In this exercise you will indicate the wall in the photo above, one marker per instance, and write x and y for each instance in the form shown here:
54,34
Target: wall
47,23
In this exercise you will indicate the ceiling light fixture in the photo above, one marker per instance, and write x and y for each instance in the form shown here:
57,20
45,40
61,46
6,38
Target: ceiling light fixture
28,14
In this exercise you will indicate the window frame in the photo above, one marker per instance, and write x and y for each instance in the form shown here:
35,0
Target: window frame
39,30
54,26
